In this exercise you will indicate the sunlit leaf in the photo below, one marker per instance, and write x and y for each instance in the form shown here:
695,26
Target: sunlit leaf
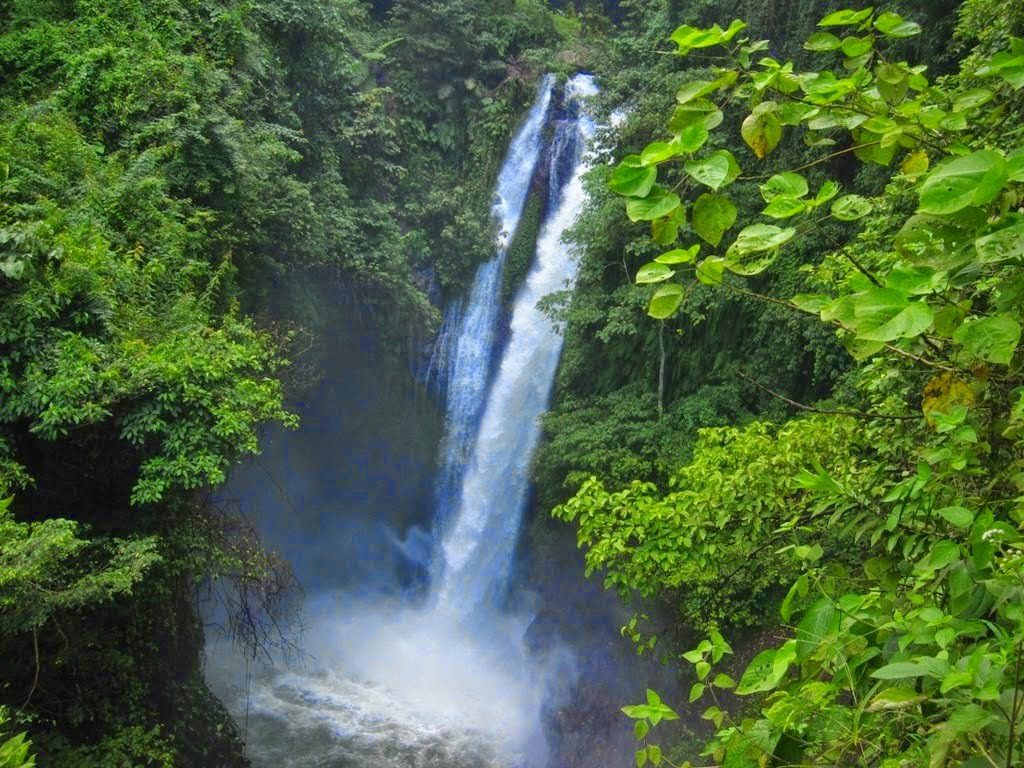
964,181
632,178
846,18
656,204
993,339
894,25
653,272
713,216
679,255
712,171
666,301
885,314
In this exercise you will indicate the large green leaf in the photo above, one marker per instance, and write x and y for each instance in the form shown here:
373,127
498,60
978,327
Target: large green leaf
943,554
762,237
632,178
679,255
942,242
666,301
893,25
713,215
690,91
892,699
1002,245
688,38
993,339
961,517
822,41
756,248
899,670
692,137
885,314
846,18
759,675
711,171
851,208
975,179
785,208
1015,164
820,621
711,270
915,280
660,151
762,130
784,185
853,47
767,669
665,230
695,115
656,204
653,272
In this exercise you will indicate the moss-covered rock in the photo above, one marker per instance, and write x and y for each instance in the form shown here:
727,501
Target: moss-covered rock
522,248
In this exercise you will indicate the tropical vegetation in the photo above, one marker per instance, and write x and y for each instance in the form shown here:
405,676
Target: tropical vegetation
788,426
876,529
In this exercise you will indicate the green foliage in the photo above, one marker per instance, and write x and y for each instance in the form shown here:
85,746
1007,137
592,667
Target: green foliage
522,249
712,541
130,745
14,750
901,531
612,352
46,568
111,315
165,166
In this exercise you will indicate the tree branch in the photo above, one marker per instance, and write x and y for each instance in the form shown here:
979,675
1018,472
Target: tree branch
811,409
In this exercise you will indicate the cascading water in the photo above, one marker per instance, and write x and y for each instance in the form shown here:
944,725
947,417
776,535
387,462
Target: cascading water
466,342
450,683
477,551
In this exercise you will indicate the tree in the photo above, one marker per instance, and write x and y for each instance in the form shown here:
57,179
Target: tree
912,653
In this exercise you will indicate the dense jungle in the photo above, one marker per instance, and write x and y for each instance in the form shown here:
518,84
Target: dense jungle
511,383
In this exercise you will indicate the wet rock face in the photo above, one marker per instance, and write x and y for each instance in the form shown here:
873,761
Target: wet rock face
588,731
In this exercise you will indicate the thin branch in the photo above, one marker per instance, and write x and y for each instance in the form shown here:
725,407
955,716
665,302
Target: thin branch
819,161
837,324
1014,708
919,359
826,411
35,680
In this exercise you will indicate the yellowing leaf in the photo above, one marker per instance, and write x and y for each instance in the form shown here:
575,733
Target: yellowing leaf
945,391
915,164
762,130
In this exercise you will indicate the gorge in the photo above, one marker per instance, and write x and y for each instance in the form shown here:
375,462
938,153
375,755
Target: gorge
445,673
511,384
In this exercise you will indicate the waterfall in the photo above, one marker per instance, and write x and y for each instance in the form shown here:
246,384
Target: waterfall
462,358
477,550
395,683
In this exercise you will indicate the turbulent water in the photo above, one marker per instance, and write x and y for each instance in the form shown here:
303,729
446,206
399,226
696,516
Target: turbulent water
450,680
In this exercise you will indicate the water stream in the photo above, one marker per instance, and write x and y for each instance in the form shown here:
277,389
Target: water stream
449,680
477,550
465,346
